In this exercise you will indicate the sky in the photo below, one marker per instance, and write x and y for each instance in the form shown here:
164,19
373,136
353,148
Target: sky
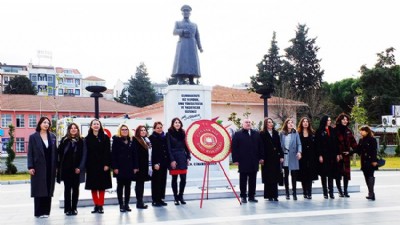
109,39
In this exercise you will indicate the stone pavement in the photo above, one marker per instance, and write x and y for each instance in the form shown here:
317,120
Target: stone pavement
16,207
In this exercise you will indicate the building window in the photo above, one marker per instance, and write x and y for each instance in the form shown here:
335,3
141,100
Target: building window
33,78
6,80
77,92
50,79
5,120
32,120
20,144
60,92
20,120
69,81
77,82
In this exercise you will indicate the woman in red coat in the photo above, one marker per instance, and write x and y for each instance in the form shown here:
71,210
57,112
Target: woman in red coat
346,141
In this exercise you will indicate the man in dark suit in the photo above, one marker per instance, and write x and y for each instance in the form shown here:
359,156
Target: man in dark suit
247,154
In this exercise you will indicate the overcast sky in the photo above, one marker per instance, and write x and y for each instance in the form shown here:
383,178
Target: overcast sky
109,39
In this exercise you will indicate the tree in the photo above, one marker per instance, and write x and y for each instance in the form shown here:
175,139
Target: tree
302,69
343,93
380,87
11,169
269,70
20,85
123,98
141,92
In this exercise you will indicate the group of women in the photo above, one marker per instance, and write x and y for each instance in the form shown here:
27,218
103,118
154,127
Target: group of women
134,157
305,154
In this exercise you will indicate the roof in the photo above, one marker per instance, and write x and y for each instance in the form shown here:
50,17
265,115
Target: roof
225,95
93,78
61,104
61,70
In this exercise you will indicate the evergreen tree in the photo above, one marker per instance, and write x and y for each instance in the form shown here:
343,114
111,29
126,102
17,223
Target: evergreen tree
141,92
380,86
302,70
343,93
11,169
123,98
269,70
20,85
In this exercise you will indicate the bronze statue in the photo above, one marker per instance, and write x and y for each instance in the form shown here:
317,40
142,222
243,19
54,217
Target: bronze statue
186,64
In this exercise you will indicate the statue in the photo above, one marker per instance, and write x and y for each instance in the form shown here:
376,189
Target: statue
186,64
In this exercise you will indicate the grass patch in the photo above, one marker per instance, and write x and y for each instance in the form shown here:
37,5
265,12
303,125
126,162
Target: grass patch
391,163
11,177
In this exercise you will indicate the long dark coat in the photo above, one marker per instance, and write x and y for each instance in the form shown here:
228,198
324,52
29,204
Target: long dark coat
79,156
247,150
123,158
186,58
367,149
141,155
346,141
159,153
327,147
271,170
98,156
309,159
177,149
42,183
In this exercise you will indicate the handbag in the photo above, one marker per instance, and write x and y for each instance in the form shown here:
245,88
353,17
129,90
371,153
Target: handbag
381,161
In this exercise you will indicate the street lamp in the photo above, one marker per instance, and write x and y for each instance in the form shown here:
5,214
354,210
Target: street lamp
265,94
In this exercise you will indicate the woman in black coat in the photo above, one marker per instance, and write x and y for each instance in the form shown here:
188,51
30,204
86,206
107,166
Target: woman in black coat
122,163
71,167
367,149
142,148
179,156
308,162
160,162
42,164
328,153
271,170
98,163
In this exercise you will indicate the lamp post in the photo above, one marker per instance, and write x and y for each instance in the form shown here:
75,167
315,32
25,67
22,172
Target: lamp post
265,94
96,93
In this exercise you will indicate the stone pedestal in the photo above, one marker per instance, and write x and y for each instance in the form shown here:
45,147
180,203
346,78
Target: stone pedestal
191,103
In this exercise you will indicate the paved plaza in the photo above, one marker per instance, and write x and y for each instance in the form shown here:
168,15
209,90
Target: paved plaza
16,207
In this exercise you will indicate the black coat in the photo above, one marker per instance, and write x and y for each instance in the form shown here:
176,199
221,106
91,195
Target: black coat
271,170
159,153
367,149
42,183
123,158
327,147
67,165
247,150
141,161
177,149
98,156
309,159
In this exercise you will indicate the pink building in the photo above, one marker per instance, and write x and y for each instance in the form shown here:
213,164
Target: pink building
24,111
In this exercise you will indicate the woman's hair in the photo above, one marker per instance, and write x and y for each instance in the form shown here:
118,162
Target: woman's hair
265,127
300,127
41,120
285,128
137,131
157,123
172,128
68,135
323,122
119,129
101,130
367,129
340,117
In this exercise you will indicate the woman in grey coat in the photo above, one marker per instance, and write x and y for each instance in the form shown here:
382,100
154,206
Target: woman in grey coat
42,163
291,146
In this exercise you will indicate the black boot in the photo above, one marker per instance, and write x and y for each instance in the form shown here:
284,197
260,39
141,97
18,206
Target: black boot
140,204
324,187
122,208
339,187
287,192
345,187
182,185
101,210
96,209
176,200
181,199
191,80
370,185
330,188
